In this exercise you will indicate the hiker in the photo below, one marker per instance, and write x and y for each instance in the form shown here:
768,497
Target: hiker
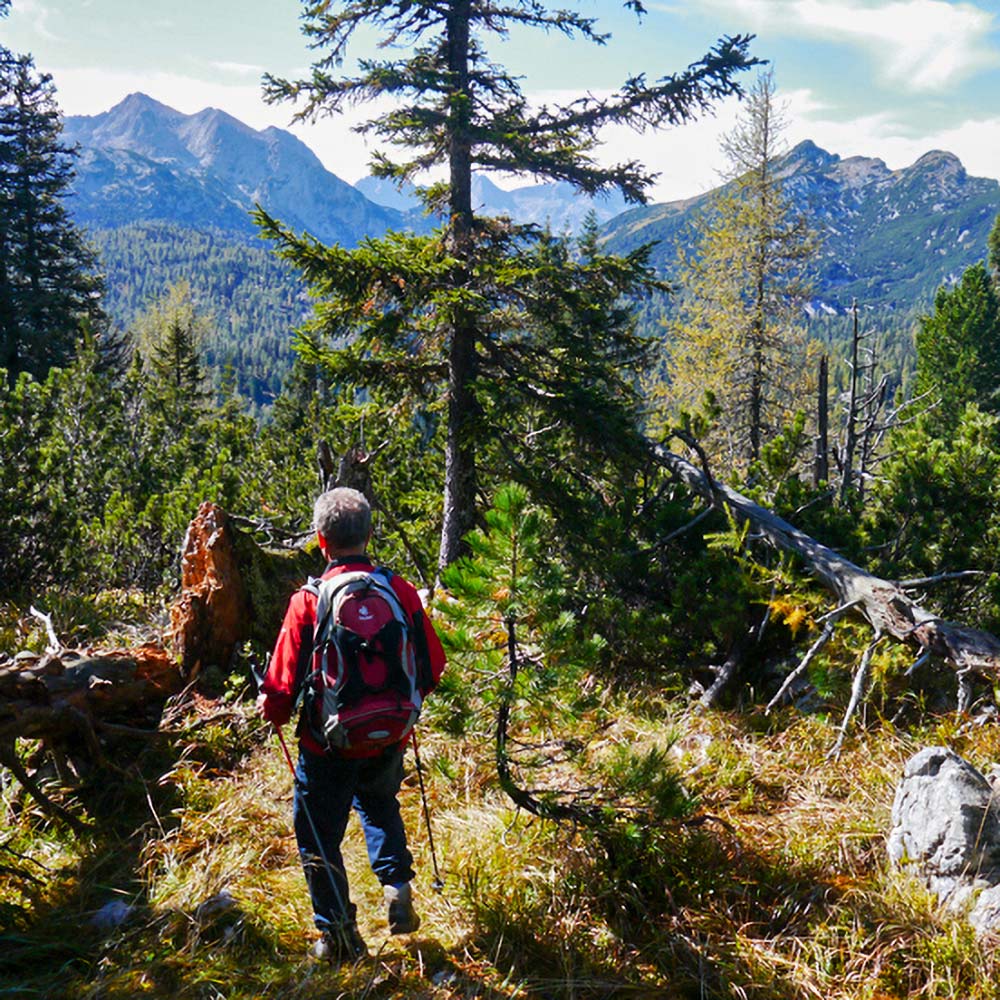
355,770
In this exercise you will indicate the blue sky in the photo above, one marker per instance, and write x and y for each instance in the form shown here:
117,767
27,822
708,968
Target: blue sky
886,78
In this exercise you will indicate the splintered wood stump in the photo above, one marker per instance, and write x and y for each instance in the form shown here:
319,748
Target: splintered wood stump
232,590
212,615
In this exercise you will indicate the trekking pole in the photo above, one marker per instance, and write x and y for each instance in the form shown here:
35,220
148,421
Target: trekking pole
438,882
337,894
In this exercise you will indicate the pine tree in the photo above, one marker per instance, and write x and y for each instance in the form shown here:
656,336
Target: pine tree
742,280
958,349
434,313
993,251
47,284
169,335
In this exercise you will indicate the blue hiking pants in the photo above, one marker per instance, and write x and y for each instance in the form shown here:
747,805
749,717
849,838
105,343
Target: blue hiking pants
326,787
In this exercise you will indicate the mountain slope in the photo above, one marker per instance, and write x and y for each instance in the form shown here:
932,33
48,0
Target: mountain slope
143,161
890,238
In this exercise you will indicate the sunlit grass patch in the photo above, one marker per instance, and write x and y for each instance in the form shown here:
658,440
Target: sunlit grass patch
746,862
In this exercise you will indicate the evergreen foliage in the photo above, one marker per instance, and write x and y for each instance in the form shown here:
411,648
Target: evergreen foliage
249,299
47,284
958,348
993,249
438,297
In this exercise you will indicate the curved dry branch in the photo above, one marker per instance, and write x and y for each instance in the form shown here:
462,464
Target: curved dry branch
883,603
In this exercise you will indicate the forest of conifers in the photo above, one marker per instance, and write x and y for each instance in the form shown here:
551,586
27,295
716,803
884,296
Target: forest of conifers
643,820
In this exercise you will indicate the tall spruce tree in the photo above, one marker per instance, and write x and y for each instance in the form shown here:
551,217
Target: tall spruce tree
437,313
47,280
958,350
738,332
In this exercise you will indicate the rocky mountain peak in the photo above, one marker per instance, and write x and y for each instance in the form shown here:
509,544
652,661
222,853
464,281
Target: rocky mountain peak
144,161
889,238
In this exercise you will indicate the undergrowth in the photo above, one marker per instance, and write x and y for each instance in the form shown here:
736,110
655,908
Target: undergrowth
772,882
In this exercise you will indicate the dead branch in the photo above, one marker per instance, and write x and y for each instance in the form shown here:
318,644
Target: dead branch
883,603
857,693
10,760
803,665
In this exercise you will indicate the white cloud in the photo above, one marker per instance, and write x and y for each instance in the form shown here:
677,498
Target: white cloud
34,15
922,44
976,142
238,68
690,162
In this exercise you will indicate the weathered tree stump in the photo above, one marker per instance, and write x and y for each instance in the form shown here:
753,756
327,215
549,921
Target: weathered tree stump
72,701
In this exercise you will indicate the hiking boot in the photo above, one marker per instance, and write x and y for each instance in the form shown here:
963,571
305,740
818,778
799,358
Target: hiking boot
403,918
339,945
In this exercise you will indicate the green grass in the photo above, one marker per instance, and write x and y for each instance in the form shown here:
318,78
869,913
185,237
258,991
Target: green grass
772,883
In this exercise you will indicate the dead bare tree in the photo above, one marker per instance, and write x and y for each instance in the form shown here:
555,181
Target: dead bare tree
884,604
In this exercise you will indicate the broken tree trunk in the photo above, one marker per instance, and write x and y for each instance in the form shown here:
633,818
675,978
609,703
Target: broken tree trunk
232,590
883,603
72,702
69,694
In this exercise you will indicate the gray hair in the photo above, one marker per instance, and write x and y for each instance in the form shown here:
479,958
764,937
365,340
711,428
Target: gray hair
343,517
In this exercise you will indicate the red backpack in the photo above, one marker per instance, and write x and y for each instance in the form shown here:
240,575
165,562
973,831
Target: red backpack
363,693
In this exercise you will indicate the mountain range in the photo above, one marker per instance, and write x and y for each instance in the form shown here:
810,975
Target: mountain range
167,196
143,161
888,238
559,206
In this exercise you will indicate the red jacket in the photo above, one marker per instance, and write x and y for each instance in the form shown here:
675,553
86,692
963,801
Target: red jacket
295,642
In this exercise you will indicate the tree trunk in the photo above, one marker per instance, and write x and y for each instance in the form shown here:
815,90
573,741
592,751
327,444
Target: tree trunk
821,466
460,447
55,697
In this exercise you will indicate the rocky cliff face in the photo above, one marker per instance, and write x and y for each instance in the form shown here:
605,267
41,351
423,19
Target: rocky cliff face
889,237
143,161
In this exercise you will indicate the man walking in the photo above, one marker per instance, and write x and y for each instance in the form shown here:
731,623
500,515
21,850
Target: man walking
329,781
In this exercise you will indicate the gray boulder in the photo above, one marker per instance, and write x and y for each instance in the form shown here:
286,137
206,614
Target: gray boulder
946,830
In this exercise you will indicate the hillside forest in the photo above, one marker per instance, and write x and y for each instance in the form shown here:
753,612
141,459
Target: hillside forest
706,578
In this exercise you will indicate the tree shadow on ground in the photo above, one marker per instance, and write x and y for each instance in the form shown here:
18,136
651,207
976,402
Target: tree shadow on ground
709,917
78,898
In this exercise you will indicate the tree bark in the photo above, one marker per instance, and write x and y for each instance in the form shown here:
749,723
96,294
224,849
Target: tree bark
62,696
888,609
460,446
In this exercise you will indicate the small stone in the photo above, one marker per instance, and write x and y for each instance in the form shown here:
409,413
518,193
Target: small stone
214,906
112,915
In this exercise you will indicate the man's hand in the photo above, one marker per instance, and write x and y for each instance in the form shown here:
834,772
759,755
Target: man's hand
261,702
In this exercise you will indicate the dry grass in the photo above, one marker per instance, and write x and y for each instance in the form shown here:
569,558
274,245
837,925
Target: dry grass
777,886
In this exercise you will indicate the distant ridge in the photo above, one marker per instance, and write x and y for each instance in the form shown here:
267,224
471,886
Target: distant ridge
167,196
142,161
890,237
558,205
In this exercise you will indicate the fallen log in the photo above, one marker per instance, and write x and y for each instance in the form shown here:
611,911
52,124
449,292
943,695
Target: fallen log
58,695
64,699
885,605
